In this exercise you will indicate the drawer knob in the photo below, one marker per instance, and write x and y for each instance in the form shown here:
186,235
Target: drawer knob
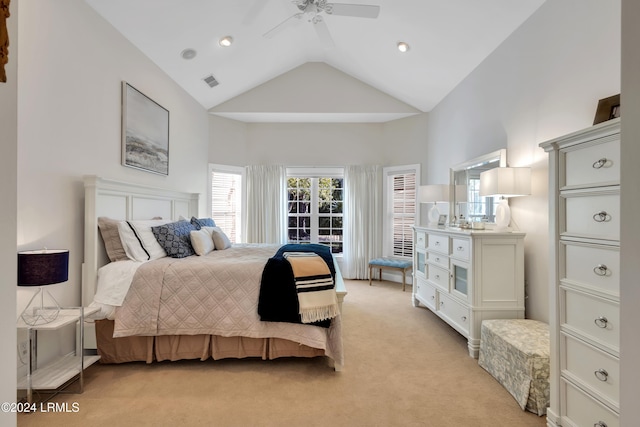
601,216
601,374
464,318
600,270
437,277
438,259
600,163
460,248
600,424
433,297
601,322
437,243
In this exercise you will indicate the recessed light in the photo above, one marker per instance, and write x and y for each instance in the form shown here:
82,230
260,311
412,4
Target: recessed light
403,47
188,54
226,41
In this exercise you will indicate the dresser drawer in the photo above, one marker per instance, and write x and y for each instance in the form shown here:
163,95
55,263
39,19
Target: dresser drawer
595,318
460,249
581,410
439,243
439,277
421,239
597,267
456,314
593,368
595,216
427,294
593,165
438,259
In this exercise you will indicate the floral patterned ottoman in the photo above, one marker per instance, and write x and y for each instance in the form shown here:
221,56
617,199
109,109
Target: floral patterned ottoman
516,353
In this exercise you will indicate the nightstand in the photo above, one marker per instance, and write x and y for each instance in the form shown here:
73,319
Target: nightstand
54,376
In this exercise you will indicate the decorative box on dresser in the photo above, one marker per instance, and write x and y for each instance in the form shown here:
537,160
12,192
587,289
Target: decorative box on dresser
467,276
584,191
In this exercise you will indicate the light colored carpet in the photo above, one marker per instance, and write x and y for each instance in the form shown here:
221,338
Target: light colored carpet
403,367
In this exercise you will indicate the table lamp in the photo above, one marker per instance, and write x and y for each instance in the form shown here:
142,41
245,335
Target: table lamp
505,182
41,268
433,194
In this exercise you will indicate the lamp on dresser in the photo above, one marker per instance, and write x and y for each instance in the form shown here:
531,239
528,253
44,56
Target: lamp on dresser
42,268
433,193
505,182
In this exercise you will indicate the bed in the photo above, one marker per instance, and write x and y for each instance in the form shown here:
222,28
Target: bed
195,307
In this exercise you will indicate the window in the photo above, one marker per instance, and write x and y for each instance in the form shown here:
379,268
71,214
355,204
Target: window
226,199
401,208
479,207
315,207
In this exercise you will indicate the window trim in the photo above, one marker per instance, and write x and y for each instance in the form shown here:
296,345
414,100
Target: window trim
316,172
387,202
239,170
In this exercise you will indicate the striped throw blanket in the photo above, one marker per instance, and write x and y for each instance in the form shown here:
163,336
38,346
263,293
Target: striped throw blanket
314,285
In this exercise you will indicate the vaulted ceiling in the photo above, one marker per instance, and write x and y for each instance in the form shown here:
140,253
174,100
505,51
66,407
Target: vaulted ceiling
447,39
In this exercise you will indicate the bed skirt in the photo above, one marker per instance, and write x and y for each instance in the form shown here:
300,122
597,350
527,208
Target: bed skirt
181,347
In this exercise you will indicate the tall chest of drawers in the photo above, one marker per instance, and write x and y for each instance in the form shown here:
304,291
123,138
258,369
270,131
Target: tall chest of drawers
584,191
466,276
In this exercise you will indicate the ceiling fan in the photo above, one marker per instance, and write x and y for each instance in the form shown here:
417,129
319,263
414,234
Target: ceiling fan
313,11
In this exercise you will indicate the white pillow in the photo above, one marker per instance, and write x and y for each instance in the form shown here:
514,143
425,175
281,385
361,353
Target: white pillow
138,240
220,240
201,240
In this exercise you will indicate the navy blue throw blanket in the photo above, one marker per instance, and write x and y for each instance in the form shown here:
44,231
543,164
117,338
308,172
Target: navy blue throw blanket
278,301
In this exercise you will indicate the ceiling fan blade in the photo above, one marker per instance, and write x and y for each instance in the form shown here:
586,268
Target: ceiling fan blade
357,10
323,33
284,24
256,8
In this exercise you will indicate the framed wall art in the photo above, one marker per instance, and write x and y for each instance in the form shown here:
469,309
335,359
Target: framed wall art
4,39
608,108
145,132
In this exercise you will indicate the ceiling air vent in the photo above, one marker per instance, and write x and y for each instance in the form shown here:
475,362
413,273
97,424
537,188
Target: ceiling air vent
211,81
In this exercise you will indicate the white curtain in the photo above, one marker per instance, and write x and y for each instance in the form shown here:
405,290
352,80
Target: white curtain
266,204
363,219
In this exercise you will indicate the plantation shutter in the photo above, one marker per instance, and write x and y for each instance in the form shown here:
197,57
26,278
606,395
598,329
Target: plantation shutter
404,213
226,190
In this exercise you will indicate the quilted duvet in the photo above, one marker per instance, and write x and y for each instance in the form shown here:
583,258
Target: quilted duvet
214,294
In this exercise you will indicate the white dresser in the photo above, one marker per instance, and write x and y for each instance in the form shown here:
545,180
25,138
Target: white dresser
584,189
467,276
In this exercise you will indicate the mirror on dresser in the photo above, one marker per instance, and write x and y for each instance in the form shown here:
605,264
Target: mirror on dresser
466,175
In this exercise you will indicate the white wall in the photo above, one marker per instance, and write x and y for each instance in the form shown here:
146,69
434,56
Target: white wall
71,66
314,144
405,142
544,81
228,141
8,220
630,206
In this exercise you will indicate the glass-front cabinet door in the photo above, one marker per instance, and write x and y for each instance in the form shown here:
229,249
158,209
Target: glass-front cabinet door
421,263
460,280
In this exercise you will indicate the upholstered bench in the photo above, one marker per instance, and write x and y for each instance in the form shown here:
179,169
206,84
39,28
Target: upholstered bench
392,264
516,353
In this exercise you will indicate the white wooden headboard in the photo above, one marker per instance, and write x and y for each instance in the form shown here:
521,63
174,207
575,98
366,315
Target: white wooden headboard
125,201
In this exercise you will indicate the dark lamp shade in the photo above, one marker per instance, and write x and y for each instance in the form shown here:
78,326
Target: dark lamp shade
45,267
